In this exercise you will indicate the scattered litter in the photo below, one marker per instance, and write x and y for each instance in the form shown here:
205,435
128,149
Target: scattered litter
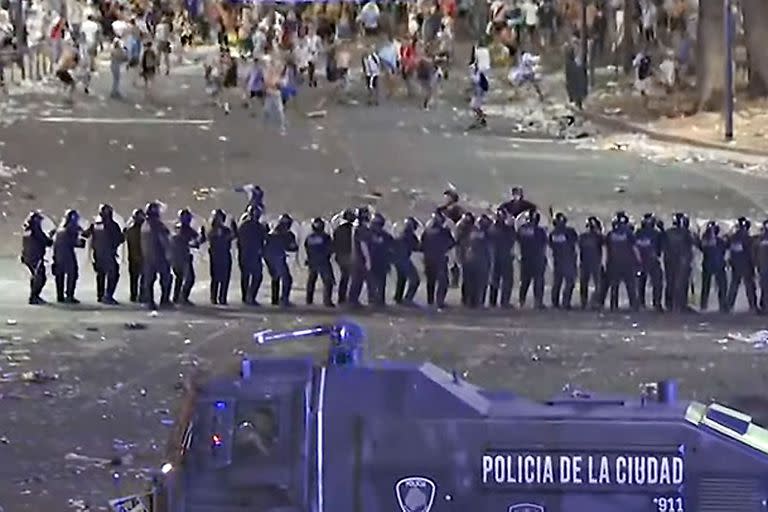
222,138
758,339
135,326
337,171
11,321
317,114
38,377
361,180
129,146
163,170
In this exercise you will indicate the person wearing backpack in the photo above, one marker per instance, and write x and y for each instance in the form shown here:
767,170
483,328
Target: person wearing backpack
480,88
149,63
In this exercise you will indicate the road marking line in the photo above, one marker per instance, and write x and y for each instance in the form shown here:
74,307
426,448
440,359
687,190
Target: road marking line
531,140
527,155
125,120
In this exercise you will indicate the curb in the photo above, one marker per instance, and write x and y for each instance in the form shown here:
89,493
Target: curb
619,124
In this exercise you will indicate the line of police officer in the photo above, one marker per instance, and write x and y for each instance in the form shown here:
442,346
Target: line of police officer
365,252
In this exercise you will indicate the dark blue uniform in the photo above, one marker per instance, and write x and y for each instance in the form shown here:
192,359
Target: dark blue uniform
183,239
502,274
713,248
155,249
478,260
621,266
65,267
591,270
342,251
741,258
533,261
251,238
319,248
407,284
33,246
648,242
132,233
562,241
106,237
381,245
678,245
361,265
761,250
436,241
280,242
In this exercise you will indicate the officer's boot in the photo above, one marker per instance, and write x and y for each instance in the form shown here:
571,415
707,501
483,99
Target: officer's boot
328,294
275,292
214,292
100,285
110,287
69,292
59,287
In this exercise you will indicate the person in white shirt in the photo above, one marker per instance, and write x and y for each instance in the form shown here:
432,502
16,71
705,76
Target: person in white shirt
163,41
530,10
369,18
91,34
310,50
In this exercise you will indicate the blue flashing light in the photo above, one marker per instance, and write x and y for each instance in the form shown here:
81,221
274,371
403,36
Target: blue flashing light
221,405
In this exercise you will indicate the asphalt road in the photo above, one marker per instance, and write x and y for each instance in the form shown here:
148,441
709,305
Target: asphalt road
119,383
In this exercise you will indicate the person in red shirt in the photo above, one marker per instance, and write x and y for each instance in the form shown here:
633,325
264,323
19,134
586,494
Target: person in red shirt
408,62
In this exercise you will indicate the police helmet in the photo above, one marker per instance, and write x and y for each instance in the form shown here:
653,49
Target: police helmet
71,216
34,217
410,224
438,218
106,210
451,194
560,219
534,216
501,214
378,220
285,221
152,209
743,223
254,211
218,215
185,216
615,223
517,191
138,214
318,224
713,227
467,217
594,224
649,220
484,222
680,220
363,214
349,215
622,217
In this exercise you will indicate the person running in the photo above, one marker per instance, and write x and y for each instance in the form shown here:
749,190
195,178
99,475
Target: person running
479,86
254,83
371,67
66,65
163,41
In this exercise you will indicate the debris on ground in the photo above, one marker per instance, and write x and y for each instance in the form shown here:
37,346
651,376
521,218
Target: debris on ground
537,118
758,339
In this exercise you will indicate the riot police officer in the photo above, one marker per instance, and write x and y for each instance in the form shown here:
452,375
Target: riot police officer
361,258
220,239
741,258
713,248
503,236
761,249
648,241
478,262
453,211
319,248
678,245
533,258
183,239
562,242
381,246
155,250
405,244
280,242
68,237
436,241
591,243
251,237
33,246
464,227
132,233
621,263
106,236
342,251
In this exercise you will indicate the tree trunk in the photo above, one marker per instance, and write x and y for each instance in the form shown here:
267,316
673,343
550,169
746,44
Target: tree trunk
710,55
756,31
628,38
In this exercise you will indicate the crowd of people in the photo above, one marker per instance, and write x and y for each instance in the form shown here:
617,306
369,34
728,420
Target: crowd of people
474,253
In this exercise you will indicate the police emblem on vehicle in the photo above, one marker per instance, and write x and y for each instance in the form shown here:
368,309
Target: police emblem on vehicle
525,507
415,494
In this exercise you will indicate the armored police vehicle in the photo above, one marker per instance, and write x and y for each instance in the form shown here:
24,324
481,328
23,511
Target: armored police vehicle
288,435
